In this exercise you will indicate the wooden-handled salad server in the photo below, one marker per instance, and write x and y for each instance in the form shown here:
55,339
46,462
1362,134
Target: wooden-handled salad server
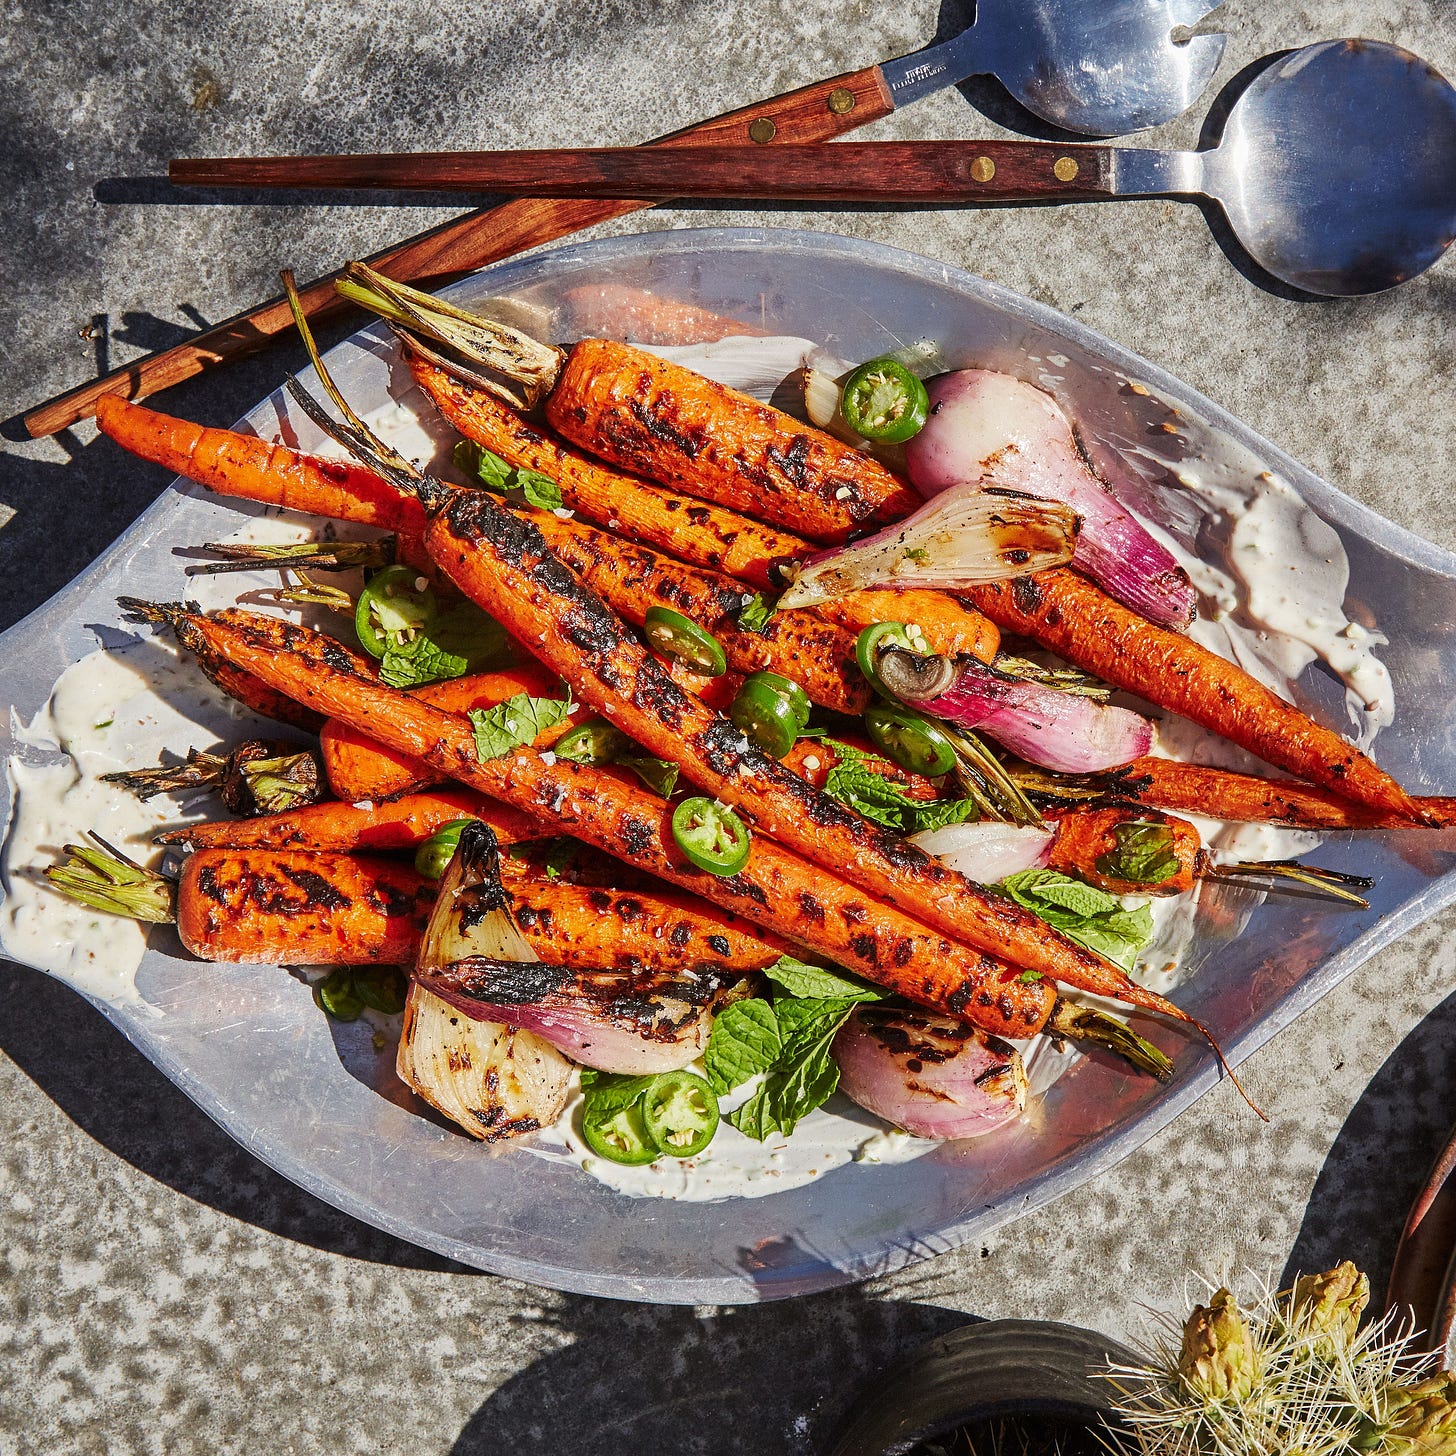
1336,169
1106,69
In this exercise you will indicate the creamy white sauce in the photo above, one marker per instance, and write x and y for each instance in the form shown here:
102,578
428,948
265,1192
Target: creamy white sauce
1272,601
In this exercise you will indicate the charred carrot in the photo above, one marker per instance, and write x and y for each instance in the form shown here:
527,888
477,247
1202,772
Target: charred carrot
813,759
360,768
276,906
777,889
1077,620
668,423
1220,793
632,580
249,468
391,824
691,530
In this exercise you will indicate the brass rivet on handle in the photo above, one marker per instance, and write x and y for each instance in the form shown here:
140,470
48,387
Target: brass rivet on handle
841,99
762,130
982,169
1065,169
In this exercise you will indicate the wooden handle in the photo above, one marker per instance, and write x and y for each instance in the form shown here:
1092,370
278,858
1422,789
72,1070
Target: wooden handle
815,113
852,172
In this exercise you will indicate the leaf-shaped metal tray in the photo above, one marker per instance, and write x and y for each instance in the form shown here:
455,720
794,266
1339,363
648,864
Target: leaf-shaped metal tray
310,1098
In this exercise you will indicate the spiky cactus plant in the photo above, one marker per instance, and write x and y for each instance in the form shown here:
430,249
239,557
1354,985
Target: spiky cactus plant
1293,1374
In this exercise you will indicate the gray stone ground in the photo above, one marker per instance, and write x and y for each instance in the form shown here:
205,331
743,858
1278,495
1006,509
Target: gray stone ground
162,1292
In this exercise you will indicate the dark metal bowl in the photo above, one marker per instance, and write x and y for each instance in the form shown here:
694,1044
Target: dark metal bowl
981,1372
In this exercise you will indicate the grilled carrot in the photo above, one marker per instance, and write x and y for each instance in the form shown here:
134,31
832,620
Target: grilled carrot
632,580
683,527
812,759
1068,614
1086,843
672,425
275,906
249,468
361,768
1220,793
777,889
399,823
501,561
244,688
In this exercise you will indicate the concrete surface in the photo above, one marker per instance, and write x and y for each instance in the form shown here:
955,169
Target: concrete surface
162,1292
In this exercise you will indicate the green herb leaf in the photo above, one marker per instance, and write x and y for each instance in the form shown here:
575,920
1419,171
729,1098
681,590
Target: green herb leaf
659,774
475,460
745,1041
515,723
1085,914
803,1076
755,615
540,490
881,800
462,640
606,1093
500,476
814,983
1144,853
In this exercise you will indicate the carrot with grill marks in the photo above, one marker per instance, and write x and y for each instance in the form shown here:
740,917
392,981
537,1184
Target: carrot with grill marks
359,767
343,828
777,889
1077,620
1221,793
632,580
672,425
684,527
273,907
249,468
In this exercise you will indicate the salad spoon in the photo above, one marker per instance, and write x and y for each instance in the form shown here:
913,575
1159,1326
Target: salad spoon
1336,169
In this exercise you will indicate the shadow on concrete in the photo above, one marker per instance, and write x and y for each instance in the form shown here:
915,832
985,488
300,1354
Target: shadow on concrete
1381,1157
745,1381
114,1095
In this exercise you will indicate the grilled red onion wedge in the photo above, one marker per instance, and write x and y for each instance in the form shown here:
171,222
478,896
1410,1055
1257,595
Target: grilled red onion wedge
962,538
932,1075
994,429
1065,731
495,1081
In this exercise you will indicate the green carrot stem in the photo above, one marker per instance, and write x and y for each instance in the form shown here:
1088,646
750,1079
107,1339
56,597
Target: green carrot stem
1086,1023
109,881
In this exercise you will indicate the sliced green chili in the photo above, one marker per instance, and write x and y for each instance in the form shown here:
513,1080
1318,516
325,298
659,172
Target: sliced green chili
911,739
767,716
680,638
884,401
393,609
438,850
877,638
680,1112
595,741
712,836
618,1134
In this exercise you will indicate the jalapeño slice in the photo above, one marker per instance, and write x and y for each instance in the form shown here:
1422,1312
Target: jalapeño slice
680,638
712,837
393,609
680,1111
884,401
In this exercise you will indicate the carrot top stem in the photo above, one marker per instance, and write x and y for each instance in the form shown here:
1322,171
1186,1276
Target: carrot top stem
1294,878
315,555
110,881
526,368
1086,1023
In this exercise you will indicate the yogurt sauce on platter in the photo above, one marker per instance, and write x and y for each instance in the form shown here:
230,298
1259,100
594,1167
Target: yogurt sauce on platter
1272,600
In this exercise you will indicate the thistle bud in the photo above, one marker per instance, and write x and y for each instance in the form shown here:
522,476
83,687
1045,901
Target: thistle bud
1331,1303
1421,1419
1217,1360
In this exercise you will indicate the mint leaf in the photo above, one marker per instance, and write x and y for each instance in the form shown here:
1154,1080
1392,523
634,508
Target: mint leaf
744,1041
803,1076
1144,853
515,723
604,1093
500,476
540,490
881,800
755,615
1083,913
475,460
462,640
812,982
659,774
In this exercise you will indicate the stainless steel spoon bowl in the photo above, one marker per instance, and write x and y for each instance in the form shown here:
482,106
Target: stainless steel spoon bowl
1098,67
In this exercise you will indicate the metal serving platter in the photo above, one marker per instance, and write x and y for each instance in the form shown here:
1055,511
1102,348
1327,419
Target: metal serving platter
311,1098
